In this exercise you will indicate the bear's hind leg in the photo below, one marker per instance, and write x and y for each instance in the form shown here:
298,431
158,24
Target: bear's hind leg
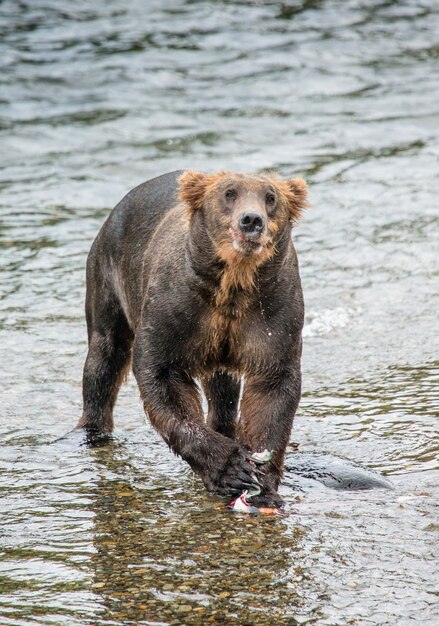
107,363
222,394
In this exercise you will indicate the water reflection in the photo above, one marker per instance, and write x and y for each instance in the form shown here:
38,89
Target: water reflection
160,557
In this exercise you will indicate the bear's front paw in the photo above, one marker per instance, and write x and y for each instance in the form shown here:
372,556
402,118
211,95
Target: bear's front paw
234,475
267,500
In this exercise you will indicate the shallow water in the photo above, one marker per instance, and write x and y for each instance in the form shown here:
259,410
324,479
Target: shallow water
97,97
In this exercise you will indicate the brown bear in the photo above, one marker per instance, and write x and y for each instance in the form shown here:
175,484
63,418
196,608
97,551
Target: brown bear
194,277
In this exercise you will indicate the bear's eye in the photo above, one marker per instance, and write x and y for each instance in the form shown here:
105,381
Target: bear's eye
231,194
270,199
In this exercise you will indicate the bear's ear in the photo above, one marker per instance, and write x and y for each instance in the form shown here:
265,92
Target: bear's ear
192,189
296,196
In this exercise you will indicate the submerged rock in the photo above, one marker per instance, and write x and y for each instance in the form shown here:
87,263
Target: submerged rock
304,468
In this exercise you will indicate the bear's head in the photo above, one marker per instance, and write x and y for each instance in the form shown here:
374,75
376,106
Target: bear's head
243,215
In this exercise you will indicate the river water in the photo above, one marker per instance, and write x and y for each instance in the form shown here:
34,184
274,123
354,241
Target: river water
96,97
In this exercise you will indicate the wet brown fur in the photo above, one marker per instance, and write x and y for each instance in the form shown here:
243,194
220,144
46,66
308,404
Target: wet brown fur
239,273
169,288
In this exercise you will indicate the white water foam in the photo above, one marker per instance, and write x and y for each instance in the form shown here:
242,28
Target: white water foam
326,320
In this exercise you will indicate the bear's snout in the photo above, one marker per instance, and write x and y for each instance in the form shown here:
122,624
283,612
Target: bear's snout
251,224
